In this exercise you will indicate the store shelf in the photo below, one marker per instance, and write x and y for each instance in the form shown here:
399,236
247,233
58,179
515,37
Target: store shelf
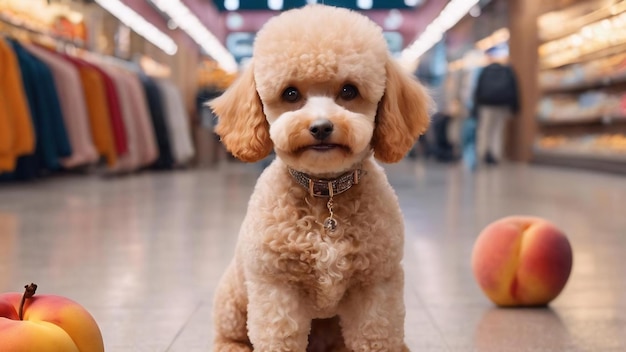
611,162
600,82
605,120
579,154
571,20
581,111
599,39
589,55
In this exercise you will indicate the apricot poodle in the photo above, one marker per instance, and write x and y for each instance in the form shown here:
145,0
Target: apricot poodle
318,266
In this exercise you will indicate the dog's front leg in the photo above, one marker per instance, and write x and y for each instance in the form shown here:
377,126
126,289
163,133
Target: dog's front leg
277,319
372,317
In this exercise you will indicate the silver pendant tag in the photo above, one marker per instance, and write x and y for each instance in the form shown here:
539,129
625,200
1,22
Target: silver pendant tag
330,224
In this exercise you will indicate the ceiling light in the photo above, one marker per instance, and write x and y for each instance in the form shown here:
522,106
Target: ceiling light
138,24
394,20
234,21
365,4
275,5
231,5
454,11
413,3
189,23
475,11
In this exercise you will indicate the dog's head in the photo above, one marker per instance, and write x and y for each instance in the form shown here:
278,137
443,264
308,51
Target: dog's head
323,91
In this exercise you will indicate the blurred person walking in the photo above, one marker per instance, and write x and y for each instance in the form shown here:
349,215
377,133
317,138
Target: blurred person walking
496,100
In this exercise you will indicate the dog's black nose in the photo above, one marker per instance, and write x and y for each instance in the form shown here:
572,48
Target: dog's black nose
321,129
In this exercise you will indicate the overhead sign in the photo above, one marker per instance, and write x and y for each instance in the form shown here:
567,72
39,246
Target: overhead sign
241,44
280,5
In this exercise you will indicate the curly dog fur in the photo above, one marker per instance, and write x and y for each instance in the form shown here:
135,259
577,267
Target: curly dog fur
292,285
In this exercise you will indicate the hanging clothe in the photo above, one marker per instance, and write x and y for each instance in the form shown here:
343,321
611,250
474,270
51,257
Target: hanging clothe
146,139
115,114
130,161
98,109
52,141
60,111
165,160
177,121
144,146
17,134
72,100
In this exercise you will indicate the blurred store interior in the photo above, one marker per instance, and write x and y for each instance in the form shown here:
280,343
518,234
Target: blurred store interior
567,55
108,159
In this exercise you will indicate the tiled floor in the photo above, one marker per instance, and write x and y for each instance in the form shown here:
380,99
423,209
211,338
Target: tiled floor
143,253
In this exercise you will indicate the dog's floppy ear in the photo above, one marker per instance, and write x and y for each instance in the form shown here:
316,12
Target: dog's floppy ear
403,115
241,122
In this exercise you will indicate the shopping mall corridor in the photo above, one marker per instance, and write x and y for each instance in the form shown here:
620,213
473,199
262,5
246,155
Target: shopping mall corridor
143,253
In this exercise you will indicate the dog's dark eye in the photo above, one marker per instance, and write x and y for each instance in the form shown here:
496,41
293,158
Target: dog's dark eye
348,92
291,95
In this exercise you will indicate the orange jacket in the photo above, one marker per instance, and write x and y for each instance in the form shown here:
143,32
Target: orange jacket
17,135
98,109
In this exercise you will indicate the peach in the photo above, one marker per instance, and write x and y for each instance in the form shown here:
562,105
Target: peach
48,323
522,261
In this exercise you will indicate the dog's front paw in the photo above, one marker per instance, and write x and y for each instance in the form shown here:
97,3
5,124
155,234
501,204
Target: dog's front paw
287,346
231,346
378,346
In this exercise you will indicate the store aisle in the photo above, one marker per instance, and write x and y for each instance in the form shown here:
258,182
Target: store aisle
143,253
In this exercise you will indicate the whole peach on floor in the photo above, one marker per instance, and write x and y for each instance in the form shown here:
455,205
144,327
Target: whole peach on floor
46,323
522,261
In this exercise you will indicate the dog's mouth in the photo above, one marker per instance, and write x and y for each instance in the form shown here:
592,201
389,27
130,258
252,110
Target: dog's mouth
324,147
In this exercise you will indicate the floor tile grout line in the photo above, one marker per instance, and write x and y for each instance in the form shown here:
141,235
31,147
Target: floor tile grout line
431,318
182,328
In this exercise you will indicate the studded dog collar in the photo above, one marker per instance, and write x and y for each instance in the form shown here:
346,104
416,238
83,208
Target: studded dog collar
327,187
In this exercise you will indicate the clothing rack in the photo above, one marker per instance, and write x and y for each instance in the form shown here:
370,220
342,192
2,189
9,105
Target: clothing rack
108,113
23,30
